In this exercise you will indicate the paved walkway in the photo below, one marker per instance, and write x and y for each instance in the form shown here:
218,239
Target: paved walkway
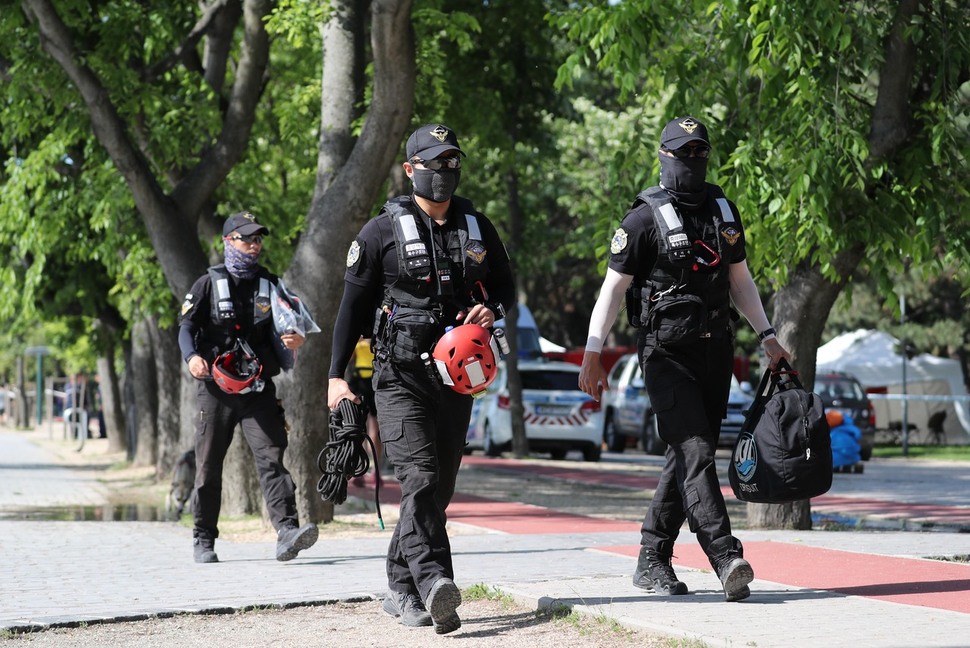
812,588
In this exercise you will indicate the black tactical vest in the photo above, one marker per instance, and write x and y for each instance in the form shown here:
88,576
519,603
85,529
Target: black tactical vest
433,284
680,271
429,276
225,323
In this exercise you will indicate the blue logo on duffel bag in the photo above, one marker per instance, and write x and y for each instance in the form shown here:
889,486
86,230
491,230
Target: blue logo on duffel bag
745,456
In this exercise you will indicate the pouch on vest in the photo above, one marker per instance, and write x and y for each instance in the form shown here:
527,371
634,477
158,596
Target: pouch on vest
409,333
677,319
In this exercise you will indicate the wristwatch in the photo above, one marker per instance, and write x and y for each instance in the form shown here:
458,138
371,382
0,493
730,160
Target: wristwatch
768,332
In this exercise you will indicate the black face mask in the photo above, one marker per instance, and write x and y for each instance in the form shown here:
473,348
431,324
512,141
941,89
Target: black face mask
684,178
436,186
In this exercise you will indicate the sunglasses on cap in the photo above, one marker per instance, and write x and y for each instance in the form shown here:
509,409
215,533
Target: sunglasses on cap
247,238
686,151
438,164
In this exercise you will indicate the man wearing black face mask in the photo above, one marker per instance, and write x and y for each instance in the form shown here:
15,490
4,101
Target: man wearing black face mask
679,257
427,261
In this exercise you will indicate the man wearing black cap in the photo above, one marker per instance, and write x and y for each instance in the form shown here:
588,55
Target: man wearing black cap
225,335
427,261
679,256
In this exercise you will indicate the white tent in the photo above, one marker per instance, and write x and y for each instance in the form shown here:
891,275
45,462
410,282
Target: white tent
871,356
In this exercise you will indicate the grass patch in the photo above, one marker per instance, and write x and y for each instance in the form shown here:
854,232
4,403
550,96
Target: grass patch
941,453
483,592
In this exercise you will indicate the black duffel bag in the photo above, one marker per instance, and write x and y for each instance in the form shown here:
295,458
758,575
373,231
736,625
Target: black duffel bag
784,451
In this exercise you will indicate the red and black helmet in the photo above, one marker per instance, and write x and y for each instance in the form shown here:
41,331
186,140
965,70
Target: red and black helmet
237,370
467,359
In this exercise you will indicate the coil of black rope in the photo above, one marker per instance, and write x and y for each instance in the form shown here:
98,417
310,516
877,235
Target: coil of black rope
344,457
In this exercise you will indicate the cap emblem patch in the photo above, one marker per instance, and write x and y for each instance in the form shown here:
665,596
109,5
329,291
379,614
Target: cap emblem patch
689,125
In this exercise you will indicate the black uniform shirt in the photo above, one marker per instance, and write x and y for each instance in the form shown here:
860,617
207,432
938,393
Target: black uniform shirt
635,245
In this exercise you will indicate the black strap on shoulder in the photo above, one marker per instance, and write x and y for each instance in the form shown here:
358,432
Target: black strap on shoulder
670,226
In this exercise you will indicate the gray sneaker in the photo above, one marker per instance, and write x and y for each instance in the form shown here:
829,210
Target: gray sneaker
444,599
407,607
291,541
204,550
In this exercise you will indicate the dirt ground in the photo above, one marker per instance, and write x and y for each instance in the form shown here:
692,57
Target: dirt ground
488,618
487,623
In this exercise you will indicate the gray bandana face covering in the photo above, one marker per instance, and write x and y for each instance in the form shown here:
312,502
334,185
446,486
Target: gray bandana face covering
436,186
239,264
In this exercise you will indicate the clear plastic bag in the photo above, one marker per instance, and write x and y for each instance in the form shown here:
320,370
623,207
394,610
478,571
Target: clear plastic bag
290,315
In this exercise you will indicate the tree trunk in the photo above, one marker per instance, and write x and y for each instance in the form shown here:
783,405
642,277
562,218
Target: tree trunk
188,406
128,396
111,405
168,361
22,420
795,515
803,305
145,391
520,442
241,494
345,193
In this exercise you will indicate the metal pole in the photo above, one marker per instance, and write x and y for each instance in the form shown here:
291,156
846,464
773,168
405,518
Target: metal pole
902,320
40,388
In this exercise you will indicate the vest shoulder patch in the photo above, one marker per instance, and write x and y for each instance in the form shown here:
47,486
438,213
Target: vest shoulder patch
730,234
476,251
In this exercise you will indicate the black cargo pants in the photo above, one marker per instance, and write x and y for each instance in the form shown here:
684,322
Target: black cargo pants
423,427
688,391
261,419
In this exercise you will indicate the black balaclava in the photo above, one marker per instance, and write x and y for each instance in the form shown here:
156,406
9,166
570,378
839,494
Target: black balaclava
684,178
436,186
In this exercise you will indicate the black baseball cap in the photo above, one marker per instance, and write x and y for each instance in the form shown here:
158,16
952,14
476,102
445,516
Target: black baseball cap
430,141
243,222
681,130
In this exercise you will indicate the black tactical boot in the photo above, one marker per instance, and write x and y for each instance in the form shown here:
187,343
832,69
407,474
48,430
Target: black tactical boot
655,573
204,549
408,608
292,540
443,600
734,571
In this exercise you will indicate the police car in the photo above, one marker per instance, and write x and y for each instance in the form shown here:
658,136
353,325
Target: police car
628,416
558,416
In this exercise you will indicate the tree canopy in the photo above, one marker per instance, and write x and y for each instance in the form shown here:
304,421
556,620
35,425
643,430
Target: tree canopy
130,130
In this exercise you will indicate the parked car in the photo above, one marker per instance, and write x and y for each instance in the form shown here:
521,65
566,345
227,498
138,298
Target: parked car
558,416
628,417
739,401
841,391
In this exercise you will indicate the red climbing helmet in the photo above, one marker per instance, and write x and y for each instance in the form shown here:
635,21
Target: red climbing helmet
237,371
467,359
